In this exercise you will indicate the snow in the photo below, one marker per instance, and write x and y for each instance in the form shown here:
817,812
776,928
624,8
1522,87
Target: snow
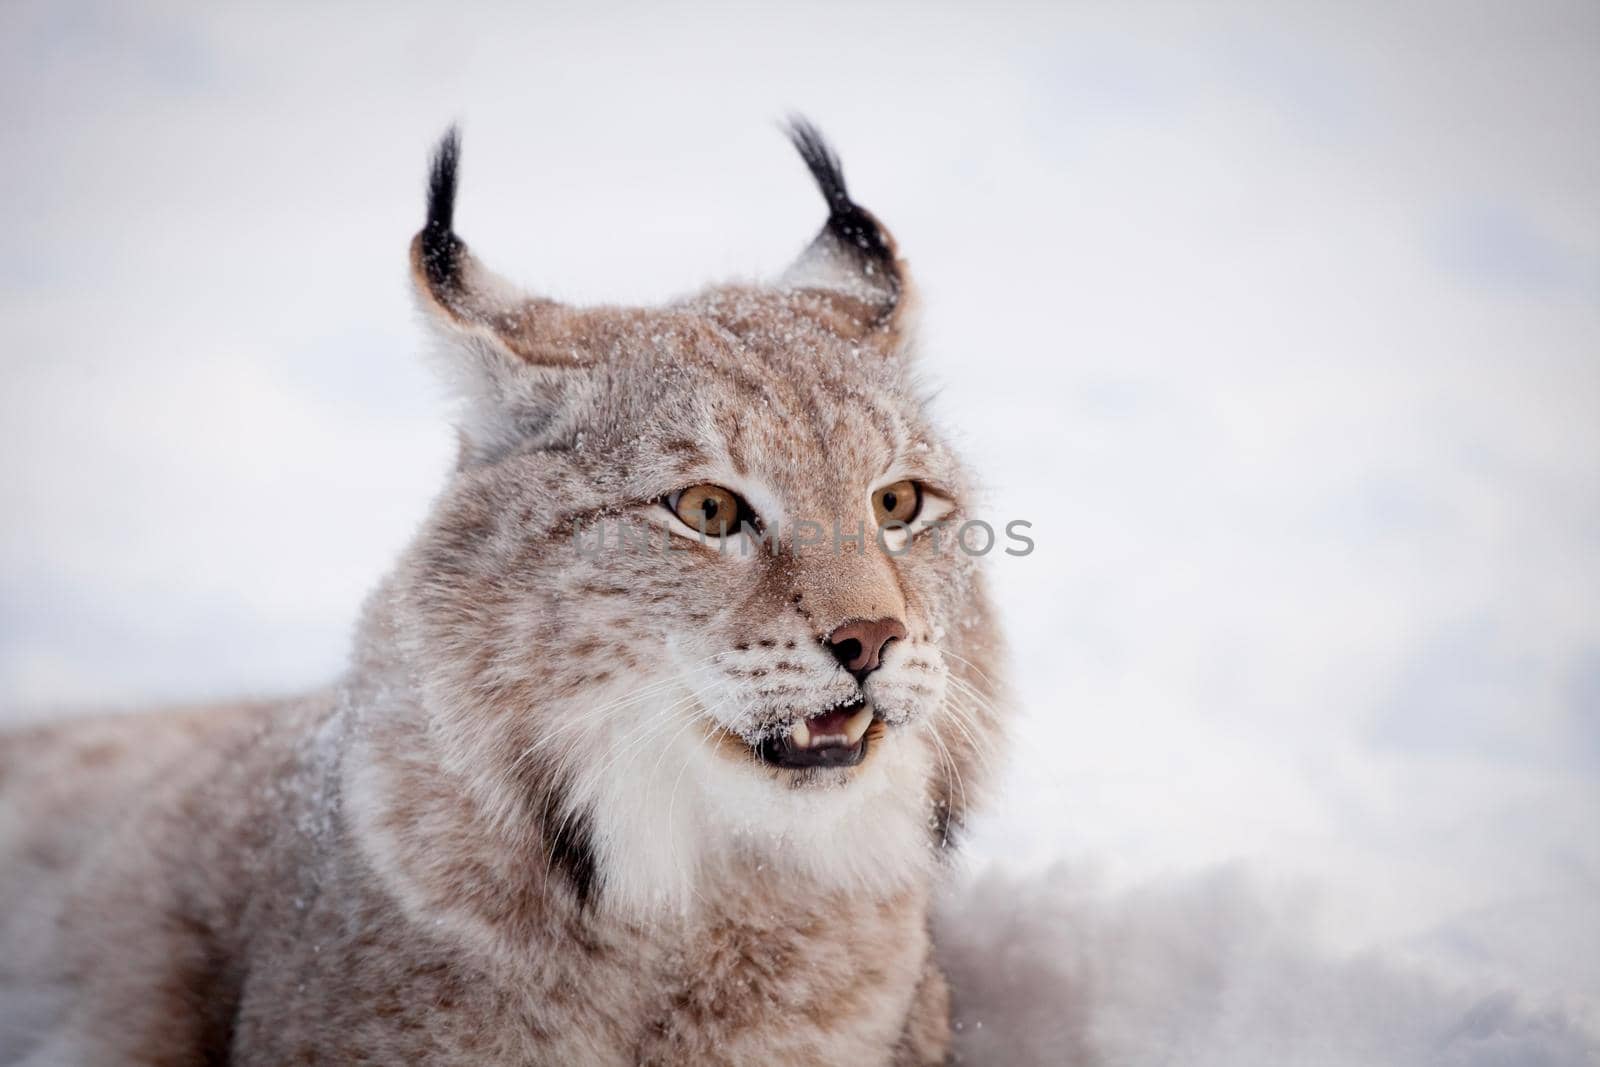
1278,324
1210,972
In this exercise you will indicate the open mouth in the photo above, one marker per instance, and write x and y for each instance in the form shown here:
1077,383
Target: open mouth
836,738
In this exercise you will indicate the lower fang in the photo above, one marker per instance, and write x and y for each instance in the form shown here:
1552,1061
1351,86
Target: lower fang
800,733
857,724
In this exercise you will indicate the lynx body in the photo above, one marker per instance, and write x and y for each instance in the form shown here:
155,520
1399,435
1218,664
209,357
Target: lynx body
629,765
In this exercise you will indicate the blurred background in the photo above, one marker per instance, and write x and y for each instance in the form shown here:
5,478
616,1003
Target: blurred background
1281,324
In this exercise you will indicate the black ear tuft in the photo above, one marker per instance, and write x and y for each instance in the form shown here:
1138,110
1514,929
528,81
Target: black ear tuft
822,160
440,245
848,221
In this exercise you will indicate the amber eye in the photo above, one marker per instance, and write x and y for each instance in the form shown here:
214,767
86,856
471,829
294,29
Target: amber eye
899,502
709,509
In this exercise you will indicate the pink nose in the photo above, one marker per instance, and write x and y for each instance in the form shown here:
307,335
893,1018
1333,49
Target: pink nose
858,645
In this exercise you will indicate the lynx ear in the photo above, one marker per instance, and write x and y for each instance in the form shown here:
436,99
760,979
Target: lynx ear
511,354
853,260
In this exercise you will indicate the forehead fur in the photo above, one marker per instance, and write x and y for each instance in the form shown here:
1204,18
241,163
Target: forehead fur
734,358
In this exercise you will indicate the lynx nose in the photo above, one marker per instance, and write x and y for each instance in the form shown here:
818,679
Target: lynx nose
858,645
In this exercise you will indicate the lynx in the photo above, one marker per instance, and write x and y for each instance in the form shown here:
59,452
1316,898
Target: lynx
629,765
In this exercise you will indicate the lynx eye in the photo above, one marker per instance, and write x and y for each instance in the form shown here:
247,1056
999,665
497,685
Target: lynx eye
899,502
709,509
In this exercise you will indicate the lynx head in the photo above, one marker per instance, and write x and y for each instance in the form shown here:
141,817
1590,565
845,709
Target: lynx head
685,601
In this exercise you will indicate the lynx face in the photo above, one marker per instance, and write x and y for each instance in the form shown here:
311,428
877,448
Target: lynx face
653,611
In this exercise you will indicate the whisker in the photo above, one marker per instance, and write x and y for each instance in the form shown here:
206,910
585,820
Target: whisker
979,749
970,665
672,803
951,769
566,727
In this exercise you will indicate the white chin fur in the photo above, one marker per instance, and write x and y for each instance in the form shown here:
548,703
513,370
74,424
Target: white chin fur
667,816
